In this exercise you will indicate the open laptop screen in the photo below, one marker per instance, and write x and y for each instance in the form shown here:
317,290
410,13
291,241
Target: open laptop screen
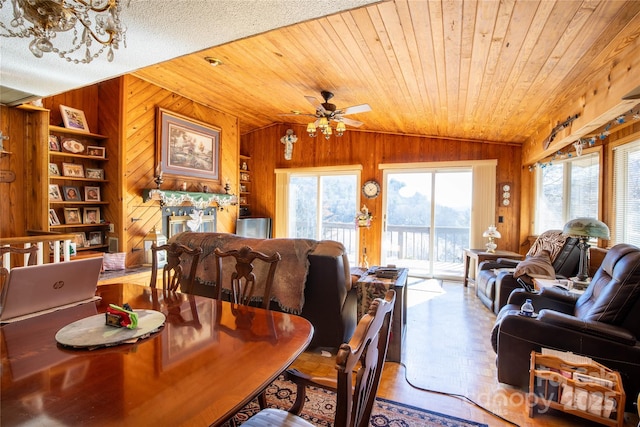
35,288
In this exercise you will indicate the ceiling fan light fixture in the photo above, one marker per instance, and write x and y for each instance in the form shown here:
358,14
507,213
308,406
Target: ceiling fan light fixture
327,132
311,130
340,128
323,123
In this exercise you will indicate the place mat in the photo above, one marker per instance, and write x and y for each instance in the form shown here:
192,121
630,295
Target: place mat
92,332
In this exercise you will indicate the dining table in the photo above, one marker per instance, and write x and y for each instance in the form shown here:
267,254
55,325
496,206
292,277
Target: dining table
208,360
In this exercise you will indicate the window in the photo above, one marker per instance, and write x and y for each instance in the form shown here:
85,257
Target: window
567,189
626,193
321,204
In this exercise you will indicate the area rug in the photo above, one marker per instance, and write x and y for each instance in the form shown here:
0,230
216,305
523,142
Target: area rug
319,409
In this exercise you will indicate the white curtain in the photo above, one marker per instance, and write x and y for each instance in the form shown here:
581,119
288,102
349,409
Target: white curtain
483,211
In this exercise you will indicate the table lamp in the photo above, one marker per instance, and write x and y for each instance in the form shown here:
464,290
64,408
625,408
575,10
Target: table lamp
584,229
492,233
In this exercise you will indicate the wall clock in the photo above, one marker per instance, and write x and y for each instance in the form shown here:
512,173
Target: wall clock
371,189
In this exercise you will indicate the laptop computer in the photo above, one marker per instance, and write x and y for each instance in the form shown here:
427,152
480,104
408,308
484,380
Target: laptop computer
40,288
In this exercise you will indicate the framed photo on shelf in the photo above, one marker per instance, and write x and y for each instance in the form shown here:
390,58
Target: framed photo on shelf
53,169
91,216
95,151
54,143
74,119
74,170
72,216
186,147
80,240
71,193
54,193
53,217
95,238
95,173
91,194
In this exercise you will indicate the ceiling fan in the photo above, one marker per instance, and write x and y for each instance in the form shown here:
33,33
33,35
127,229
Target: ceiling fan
327,112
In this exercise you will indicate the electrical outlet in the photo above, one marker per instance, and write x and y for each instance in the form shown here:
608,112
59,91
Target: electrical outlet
112,229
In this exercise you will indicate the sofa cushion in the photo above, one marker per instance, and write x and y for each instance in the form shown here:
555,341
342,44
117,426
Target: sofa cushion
536,266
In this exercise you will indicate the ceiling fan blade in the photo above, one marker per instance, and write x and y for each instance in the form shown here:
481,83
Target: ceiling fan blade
317,104
296,113
362,108
351,122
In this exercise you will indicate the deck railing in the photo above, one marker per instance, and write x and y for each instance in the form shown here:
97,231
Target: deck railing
407,242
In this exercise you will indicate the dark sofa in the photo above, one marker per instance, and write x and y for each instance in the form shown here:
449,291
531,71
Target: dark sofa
313,280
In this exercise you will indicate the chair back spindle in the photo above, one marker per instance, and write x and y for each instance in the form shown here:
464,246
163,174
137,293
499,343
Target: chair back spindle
173,277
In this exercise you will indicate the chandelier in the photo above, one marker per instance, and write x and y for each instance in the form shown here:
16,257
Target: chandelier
91,20
325,128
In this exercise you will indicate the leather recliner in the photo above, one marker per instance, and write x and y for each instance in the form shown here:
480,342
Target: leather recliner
495,278
603,323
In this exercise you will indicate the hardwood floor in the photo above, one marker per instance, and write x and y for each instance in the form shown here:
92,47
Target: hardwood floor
457,368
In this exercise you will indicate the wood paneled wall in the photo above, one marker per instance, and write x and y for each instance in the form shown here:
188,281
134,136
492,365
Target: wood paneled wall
12,194
371,149
141,100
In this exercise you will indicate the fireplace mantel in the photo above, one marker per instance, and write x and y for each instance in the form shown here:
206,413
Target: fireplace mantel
178,198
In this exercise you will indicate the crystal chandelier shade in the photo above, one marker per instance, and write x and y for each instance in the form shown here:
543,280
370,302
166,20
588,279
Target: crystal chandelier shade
91,21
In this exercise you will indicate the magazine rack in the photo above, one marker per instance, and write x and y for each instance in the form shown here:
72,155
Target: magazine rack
588,390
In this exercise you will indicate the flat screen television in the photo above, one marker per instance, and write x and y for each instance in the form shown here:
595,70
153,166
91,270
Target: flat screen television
254,227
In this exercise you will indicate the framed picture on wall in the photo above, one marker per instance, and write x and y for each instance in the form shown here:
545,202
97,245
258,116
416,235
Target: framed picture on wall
186,147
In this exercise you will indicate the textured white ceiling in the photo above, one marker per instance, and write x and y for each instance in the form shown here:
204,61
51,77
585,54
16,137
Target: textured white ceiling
158,30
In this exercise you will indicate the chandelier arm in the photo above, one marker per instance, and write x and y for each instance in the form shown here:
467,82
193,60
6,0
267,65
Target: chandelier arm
109,5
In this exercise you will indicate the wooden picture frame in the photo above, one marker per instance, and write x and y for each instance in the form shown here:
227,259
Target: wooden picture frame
54,193
95,151
80,240
75,170
74,119
92,194
91,216
94,173
95,238
54,143
53,169
71,193
186,147
72,216
53,217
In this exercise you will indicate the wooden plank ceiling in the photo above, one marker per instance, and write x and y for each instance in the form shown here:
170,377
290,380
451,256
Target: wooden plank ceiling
481,70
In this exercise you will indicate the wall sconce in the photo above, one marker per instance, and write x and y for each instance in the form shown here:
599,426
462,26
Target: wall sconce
288,140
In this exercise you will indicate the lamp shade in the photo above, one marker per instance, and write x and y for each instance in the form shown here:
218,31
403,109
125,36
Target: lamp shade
587,227
492,232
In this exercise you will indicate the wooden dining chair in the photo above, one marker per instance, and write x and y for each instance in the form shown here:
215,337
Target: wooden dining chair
244,289
173,277
32,260
359,366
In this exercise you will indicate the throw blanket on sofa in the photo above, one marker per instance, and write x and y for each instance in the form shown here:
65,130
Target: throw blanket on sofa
290,276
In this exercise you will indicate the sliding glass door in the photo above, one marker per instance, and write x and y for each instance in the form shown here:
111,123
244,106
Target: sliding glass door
322,206
427,220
